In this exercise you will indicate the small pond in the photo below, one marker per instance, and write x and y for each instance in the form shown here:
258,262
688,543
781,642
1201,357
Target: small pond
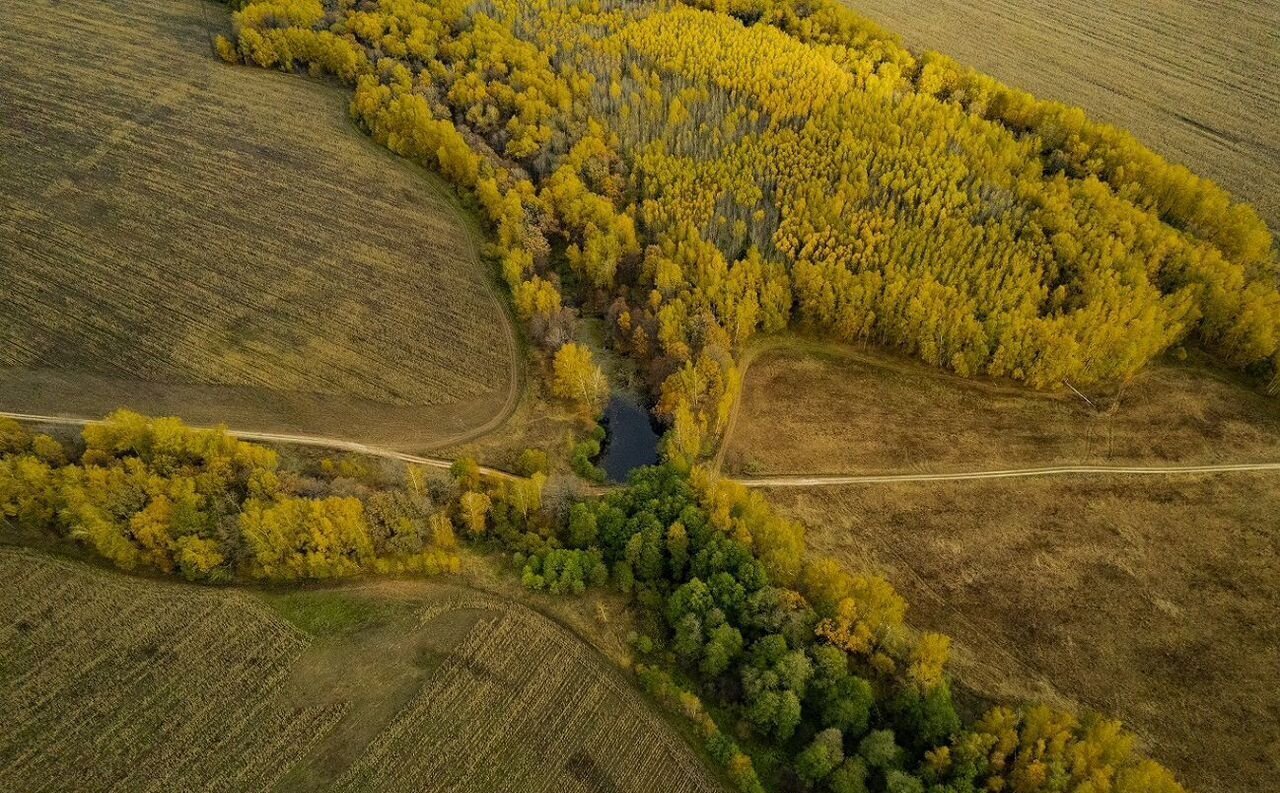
631,442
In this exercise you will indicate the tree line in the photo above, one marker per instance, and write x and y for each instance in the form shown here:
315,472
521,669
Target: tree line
794,671
154,494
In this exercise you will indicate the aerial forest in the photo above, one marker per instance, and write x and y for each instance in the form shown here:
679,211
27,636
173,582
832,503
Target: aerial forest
700,172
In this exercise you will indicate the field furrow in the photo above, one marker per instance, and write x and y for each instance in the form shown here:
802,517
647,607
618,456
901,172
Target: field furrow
170,219
120,684
518,682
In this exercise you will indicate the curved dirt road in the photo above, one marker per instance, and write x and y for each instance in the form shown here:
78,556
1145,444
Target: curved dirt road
274,437
1012,473
763,481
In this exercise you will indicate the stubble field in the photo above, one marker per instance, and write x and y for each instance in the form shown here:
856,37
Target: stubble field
1196,80
520,706
110,683
126,684
188,237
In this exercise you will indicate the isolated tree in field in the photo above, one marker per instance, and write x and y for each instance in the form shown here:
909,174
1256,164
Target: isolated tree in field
577,378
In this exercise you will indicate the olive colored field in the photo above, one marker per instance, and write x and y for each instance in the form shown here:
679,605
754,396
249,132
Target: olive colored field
811,408
1196,80
114,682
1154,602
182,236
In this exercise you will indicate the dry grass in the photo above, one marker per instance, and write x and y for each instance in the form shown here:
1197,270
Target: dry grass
1198,81
110,683
177,232
818,408
394,635
1153,600
1156,604
539,421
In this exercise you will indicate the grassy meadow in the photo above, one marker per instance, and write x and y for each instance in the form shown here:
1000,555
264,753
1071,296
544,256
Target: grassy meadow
1198,81
815,408
182,236
1154,603
520,706
129,684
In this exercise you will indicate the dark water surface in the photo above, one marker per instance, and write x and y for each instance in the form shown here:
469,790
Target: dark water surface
632,441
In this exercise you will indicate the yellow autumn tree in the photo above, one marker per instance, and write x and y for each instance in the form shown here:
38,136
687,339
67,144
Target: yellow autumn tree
576,378
475,512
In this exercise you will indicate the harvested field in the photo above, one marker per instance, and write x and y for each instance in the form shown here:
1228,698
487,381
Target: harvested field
522,706
178,233
1197,80
1156,604
135,685
810,408
120,684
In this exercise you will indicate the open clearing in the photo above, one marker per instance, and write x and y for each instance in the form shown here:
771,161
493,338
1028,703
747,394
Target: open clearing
185,237
1156,604
1196,80
811,408
129,684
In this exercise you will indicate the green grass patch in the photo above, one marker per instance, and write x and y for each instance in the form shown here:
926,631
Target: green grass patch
329,614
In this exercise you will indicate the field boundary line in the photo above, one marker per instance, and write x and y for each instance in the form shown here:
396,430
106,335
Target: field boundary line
470,224
515,386
749,356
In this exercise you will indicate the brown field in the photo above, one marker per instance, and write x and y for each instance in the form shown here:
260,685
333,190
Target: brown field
1156,604
130,684
822,408
1196,80
187,237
